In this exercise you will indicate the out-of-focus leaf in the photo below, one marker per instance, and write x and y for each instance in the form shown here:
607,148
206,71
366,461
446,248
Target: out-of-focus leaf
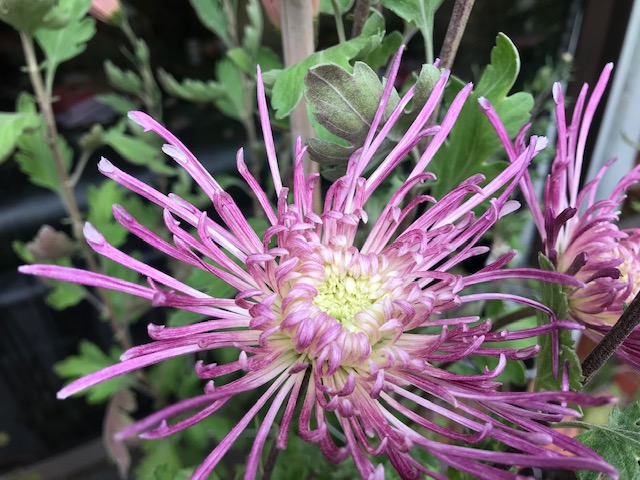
124,80
253,29
137,151
288,85
29,15
472,140
211,14
89,360
11,126
35,159
618,442
417,12
266,58
554,298
69,41
192,90
379,57
120,104
161,460
232,103
116,419
326,6
100,199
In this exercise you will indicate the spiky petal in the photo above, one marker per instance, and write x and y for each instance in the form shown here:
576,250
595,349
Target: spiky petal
341,327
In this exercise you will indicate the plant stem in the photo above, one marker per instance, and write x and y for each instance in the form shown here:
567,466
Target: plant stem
151,93
629,320
360,14
337,14
66,190
270,464
296,20
455,31
501,322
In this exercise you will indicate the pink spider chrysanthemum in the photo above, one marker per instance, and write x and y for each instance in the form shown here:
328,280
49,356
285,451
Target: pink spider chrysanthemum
578,232
346,334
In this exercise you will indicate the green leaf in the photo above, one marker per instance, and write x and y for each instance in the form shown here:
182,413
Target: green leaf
62,44
379,57
100,200
191,90
472,140
554,298
27,15
65,295
137,151
266,58
124,80
11,126
230,78
159,460
326,6
90,359
119,103
35,159
618,442
253,29
416,12
289,83
211,14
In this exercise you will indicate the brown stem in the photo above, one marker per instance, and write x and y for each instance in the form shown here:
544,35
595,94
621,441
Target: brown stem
270,464
629,320
455,30
296,20
360,14
66,190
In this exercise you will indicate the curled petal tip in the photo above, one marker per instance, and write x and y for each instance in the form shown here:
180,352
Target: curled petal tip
484,103
105,165
91,234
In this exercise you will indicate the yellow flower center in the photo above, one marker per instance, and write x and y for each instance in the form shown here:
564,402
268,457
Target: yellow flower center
344,296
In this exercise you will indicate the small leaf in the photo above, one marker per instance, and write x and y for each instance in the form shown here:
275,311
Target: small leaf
62,44
137,151
124,80
116,419
417,12
11,126
26,15
289,85
554,298
618,442
192,90
253,29
90,359
326,6
473,140
379,57
35,159
212,16
100,200
266,58
230,78
119,103
65,295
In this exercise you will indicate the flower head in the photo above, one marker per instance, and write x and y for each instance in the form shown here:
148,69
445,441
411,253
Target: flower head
349,331
108,11
579,232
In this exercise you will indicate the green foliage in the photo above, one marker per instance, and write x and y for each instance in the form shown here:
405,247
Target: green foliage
226,93
119,103
265,57
416,12
554,298
288,84
137,150
62,294
90,359
62,44
327,7
36,160
11,126
211,14
618,442
124,80
472,140
345,105
29,15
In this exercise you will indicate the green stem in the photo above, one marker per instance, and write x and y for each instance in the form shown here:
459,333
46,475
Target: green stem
629,320
150,95
339,23
66,193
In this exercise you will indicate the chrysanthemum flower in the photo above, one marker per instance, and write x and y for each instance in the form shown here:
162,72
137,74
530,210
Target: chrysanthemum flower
334,333
578,232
